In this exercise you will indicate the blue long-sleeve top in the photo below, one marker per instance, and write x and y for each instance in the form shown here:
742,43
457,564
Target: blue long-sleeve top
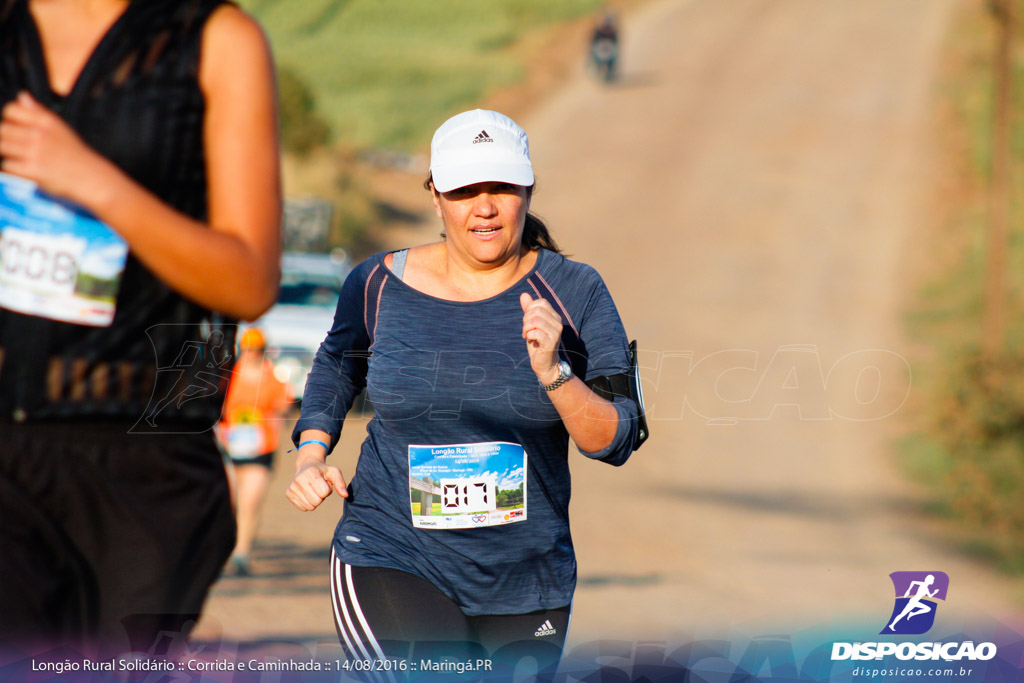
461,421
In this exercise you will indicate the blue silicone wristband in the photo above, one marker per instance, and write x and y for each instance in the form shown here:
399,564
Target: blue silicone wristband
326,447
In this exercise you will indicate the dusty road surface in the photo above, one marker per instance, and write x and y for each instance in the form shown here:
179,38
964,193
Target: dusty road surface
750,190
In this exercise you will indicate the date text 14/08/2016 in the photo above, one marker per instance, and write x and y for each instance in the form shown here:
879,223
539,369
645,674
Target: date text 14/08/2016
423,665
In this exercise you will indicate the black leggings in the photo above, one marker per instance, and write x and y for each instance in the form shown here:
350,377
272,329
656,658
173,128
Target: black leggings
391,615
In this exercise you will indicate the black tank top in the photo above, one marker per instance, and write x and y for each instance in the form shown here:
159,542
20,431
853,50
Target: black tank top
164,362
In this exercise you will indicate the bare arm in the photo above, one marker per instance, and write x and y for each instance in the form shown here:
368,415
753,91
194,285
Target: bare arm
230,266
590,420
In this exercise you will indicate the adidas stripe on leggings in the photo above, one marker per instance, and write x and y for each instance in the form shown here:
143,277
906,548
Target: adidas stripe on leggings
384,613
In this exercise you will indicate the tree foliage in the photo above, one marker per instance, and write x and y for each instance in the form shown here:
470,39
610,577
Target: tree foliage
508,498
302,127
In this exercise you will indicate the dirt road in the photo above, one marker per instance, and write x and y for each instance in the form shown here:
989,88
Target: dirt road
750,190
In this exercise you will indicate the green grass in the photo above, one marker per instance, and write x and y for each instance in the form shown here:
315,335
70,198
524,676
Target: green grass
386,73
435,509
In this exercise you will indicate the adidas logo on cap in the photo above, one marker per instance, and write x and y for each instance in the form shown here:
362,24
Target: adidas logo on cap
457,160
546,629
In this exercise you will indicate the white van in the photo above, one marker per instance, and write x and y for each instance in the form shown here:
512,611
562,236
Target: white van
303,314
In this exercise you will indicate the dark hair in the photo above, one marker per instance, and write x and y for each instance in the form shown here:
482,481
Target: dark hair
535,232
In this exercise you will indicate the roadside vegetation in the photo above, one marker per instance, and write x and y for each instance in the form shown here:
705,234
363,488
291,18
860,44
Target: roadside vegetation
385,74
364,83
969,449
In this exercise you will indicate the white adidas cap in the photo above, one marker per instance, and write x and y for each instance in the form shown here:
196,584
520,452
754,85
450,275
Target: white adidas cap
479,146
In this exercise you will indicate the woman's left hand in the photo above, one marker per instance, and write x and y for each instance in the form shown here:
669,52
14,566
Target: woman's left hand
542,330
38,145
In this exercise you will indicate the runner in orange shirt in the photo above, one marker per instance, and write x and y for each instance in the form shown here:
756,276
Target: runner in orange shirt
255,404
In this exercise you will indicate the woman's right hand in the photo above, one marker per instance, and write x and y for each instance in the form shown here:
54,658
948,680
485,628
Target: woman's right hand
39,145
240,241
314,481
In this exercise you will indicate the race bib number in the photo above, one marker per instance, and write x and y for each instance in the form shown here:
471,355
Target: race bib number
245,441
56,260
459,486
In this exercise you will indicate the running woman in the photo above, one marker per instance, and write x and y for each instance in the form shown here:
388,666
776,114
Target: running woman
474,351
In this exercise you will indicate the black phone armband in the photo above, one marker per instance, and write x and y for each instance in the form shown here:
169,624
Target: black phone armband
626,385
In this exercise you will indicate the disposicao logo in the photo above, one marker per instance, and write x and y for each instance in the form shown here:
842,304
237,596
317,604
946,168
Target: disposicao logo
913,613
916,596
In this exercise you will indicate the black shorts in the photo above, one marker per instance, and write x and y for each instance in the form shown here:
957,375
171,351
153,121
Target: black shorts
110,539
264,459
391,615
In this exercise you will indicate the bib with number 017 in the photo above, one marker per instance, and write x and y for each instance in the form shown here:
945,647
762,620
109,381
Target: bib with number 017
56,260
458,486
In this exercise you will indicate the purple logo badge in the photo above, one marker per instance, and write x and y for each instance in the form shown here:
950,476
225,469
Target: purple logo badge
916,596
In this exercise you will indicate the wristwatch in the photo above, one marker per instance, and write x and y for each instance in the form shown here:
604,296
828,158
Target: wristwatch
564,373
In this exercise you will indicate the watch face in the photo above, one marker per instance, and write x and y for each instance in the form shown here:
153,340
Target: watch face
564,373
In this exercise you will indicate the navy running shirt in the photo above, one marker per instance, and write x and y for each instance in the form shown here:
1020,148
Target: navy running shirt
463,478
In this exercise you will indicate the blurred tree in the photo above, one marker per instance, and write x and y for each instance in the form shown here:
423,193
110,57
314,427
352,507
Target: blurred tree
994,322
302,128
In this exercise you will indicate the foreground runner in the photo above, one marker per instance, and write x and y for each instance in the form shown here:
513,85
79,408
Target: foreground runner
474,350
159,118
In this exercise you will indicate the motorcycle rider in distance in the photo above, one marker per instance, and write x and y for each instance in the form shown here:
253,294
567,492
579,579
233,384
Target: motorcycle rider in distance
604,46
